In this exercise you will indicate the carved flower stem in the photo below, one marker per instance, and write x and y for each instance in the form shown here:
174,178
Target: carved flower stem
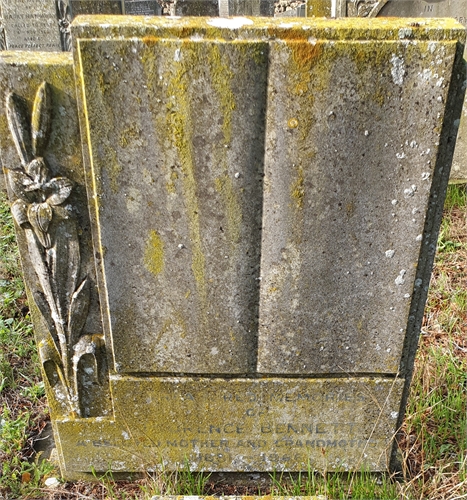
43,274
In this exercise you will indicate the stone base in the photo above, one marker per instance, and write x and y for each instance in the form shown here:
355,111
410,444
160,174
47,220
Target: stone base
236,425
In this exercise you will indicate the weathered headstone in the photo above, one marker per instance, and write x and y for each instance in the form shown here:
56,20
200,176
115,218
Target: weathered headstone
246,8
263,245
419,9
299,11
142,7
82,7
129,7
39,25
196,8
320,8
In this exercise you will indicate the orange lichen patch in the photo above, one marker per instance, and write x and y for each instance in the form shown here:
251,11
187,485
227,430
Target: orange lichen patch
150,40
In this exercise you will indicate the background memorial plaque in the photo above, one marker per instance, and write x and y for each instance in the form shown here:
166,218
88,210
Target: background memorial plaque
30,25
80,7
299,11
142,7
196,8
246,8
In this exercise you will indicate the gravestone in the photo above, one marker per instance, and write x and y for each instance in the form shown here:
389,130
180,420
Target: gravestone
129,7
39,25
411,8
299,11
82,7
258,311
196,7
263,8
142,7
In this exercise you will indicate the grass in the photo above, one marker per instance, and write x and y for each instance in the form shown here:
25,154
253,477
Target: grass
433,436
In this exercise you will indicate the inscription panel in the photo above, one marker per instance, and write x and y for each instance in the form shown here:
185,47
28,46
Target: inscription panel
95,7
142,7
241,425
31,25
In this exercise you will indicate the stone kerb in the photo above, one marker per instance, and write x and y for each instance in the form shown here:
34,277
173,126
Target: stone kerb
262,245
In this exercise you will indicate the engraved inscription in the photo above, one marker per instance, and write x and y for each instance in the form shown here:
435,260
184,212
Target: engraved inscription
142,7
31,29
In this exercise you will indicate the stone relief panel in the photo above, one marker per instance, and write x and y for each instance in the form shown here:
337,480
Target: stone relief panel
72,360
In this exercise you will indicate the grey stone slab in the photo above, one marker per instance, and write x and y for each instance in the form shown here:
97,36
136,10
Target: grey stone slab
182,291
353,169
261,245
196,8
31,25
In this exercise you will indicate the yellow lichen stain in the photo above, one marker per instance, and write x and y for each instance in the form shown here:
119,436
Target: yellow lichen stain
350,208
171,188
154,253
113,170
225,188
129,135
292,123
180,127
221,77
298,188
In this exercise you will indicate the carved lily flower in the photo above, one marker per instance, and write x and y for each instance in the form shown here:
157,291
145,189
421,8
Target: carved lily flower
37,197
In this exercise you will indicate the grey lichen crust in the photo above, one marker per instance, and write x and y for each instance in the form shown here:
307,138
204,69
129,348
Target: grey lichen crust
51,232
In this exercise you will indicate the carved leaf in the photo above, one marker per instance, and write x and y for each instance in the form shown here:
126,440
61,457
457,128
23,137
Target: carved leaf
78,311
19,210
61,9
18,121
37,258
64,263
41,303
57,190
49,352
40,216
20,184
41,119
38,172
